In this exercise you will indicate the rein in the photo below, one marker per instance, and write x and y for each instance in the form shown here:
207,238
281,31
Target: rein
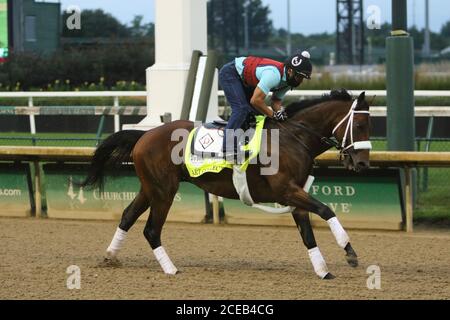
358,145
328,141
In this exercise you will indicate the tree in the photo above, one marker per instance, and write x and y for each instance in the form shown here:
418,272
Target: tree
445,30
438,40
96,24
226,24
418,36
137,29
378,36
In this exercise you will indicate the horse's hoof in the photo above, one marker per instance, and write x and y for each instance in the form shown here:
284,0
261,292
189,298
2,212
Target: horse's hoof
352,260
328,276
110,262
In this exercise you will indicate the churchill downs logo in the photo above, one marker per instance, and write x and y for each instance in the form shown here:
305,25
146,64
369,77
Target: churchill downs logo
97,195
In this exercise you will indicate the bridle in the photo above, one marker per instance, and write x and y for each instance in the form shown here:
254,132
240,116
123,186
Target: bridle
358,145
343,148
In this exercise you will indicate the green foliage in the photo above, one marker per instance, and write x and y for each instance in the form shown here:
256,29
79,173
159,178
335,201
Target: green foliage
378,36
97,57
95,24
445,30
327,81
226,24
433,204
438,40
108,55
117,67
137,29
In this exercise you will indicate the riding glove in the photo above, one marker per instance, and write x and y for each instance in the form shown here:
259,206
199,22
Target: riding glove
280,115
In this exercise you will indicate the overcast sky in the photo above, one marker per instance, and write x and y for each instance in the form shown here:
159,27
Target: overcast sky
307,16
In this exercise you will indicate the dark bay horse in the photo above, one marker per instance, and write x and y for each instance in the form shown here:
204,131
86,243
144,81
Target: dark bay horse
304,136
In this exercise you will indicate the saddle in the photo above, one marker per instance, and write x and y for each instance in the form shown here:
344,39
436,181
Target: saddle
208,139
250,122
204,148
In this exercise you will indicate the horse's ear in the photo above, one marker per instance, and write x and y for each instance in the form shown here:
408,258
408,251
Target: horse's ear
362,97
362,103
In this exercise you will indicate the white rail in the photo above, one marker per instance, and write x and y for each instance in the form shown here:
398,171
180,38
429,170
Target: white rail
293,93
378,93
376,111
435,111
65,94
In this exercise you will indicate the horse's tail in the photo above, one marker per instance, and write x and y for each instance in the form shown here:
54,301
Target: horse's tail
110,154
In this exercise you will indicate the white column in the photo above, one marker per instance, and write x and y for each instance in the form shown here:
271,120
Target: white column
180,28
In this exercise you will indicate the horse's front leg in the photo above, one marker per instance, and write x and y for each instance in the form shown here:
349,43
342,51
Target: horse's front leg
304,226
297,197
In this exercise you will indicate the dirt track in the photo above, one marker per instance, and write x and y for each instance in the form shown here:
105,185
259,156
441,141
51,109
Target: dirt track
225,262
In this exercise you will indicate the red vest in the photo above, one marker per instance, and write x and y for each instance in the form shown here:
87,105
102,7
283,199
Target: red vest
250,65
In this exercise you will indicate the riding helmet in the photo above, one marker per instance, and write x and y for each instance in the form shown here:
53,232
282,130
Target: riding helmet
301,64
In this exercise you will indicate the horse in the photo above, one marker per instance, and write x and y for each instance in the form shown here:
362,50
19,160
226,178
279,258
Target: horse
313,126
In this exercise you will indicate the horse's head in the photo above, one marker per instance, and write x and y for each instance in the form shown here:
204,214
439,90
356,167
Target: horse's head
353,132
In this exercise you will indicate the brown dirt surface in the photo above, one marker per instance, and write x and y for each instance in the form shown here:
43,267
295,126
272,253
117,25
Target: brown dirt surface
216,262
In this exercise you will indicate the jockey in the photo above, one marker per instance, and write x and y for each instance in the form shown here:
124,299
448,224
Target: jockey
246,82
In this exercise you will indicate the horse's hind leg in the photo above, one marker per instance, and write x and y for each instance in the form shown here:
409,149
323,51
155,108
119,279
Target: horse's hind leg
136,208
139,205
153,229
299,198
304,226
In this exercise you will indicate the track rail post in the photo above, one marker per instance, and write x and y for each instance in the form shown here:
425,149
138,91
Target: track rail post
409,199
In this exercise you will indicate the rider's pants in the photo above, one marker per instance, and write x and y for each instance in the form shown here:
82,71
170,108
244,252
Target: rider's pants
238,96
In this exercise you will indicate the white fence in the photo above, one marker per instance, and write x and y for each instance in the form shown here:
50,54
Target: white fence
376,111
77,94
378,93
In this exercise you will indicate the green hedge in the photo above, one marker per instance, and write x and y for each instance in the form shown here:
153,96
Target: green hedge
327,81
108,67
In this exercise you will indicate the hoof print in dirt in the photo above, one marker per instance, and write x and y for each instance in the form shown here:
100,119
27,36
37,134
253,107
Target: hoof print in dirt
110,263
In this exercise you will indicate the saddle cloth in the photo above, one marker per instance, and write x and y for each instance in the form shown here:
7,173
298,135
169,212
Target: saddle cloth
208,140
204,148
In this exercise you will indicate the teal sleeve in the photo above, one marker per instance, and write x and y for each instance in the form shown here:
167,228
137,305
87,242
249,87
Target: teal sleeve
269,79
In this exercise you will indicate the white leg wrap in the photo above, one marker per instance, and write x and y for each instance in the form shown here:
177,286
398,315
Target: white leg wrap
318,262
338,231
117,242
164,261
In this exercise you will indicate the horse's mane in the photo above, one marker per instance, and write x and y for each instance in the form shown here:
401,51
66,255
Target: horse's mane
340,95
